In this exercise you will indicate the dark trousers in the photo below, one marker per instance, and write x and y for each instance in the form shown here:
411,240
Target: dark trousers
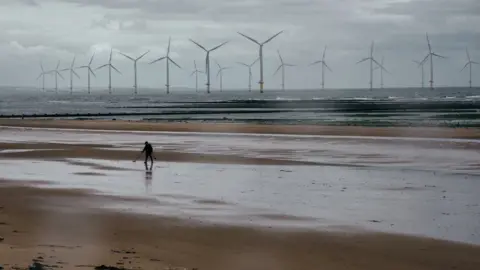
147,155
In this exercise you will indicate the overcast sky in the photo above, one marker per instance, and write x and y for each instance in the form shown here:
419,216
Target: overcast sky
50,30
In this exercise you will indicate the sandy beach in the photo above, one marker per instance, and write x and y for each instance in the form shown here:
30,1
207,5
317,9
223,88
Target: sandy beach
339,198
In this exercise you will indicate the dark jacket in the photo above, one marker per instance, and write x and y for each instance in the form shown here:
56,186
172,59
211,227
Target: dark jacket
148,149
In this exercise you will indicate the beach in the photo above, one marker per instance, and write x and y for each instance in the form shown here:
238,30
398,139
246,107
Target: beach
238,196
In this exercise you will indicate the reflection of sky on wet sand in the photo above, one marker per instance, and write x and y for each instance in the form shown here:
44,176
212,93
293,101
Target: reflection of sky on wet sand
414,202
440,155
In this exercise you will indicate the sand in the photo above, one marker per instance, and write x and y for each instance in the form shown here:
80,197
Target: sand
59,228
67,228
429,132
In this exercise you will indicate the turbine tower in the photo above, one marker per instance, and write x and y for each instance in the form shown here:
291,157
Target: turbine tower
168,60
72,71
260,54
422,65
282,66
42,74
431,54
249,73
135,60
469,64
207,60
89,71
372,61
196,71
57,73
324,65
381,71
110,66
220,73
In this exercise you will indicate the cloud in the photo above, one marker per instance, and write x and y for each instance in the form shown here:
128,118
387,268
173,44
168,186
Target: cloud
52,30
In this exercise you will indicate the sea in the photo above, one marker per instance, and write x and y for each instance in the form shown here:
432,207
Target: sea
441,107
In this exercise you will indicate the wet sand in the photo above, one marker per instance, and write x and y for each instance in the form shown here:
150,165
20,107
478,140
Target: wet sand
465,133
61,228
237,202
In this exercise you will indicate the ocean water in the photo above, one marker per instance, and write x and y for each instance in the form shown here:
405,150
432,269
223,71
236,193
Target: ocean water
378,107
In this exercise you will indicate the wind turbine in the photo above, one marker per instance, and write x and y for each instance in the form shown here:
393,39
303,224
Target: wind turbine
469,63
422,65
381,72
282,66
249,73
110,66
72,71
372,60
168,60
57,73
196,71
324,65
431,55
260,54
42,74
135,60
220,73
89,71
207,60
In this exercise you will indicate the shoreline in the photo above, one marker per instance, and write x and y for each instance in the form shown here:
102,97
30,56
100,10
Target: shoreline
48,225
126,126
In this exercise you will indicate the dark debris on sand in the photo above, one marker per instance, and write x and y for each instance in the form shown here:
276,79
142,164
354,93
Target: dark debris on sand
104,267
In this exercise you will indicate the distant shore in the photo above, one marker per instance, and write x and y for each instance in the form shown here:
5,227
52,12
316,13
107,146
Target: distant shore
122,125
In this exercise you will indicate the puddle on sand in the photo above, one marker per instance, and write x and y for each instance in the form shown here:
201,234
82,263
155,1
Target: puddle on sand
411,202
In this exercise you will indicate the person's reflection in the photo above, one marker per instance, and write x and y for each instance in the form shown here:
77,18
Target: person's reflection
148,178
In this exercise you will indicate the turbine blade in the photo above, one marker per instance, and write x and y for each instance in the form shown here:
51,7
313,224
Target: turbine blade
193,73
473,62
316,62
39,76
280,56
41,67
219,71
203,48
81,67
58,64
243,64
466,65
170,59
91,71
425,59
75,73
439,56
274,36
255,61
73,62
247,37
111,52
218,65
159,59
417,62
65,69
363,60
468,55
277,70
380,65
91,59
60,75
290,65
127,56
116,69
101,66
327,66
428,41
168,48
141,56
195,64
324,51
219,46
